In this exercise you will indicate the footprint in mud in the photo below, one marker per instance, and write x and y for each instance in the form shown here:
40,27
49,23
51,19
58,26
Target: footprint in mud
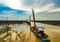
22,36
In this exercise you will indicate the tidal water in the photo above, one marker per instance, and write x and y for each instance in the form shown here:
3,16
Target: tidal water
25,35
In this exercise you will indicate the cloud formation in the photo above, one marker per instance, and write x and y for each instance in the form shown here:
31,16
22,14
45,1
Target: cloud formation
55,10
12,16
29,4
45,7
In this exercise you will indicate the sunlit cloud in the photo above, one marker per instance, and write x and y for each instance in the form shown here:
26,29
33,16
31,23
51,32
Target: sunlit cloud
45,8
27,5
12,16
48,16
42,8
55,10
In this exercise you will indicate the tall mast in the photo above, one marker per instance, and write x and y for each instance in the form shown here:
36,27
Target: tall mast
34,18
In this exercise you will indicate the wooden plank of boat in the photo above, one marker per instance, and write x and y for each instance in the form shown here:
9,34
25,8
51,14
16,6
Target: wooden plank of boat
44,39
42,36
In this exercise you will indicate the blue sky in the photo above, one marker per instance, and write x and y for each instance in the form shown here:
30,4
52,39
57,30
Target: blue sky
21,9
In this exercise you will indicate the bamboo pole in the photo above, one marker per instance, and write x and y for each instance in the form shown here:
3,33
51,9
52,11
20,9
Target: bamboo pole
33,18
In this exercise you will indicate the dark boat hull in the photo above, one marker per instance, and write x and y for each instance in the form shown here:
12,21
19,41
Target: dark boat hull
44,39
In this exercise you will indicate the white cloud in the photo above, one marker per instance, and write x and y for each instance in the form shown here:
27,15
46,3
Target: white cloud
6,14
12,16
15,4
1,1
55,10
41,9
48,17
45,8
27,5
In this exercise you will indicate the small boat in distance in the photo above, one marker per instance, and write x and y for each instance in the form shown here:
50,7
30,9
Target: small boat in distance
38,31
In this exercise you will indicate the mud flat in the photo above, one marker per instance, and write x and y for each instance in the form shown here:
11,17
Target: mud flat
52,31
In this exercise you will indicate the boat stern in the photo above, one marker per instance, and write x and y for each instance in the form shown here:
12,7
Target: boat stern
45,40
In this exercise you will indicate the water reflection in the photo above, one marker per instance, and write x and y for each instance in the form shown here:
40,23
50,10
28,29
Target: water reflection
16,34
22,33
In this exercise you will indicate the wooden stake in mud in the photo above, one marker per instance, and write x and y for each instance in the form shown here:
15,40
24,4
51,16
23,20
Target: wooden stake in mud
30,24
7,25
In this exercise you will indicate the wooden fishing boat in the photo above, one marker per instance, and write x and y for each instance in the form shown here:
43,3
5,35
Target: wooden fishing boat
39,31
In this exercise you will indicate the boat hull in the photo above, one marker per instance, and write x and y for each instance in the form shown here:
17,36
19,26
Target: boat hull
44,39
